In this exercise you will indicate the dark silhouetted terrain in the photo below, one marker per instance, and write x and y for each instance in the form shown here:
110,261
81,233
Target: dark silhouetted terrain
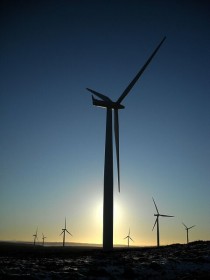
177,261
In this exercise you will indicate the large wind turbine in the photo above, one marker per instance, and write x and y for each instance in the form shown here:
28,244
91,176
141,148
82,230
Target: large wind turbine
187,228
128,237
64,230
157,222
35,236
110,105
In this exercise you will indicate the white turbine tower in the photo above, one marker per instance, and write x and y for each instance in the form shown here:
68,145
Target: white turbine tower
187,229
157,222
64,230
129,238
110,105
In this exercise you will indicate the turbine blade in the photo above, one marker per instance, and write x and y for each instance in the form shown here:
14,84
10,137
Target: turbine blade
129,232
100,95
131,239
116,130
61,232
126,237
165,215
154,224
191,227
132,83
65,222
184,225
68,232
155,206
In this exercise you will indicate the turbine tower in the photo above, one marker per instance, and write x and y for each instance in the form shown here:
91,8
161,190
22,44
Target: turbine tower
157,222
64,230
43,238
35,236
128,237
187,229
110,106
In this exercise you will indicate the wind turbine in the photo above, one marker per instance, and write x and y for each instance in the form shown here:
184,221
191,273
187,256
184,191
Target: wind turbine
157,222
64,230
43,238
110,105
128,237
187,228
35,236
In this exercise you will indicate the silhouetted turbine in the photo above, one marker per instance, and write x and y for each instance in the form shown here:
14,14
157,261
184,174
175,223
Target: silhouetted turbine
35,236
110,105
187,229
43,238
157,222
64,230
128,237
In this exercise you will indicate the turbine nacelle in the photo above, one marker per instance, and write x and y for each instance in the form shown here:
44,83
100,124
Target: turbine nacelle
107,104
187,228
161,215
104,101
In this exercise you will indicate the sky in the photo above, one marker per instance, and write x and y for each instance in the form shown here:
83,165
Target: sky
52,137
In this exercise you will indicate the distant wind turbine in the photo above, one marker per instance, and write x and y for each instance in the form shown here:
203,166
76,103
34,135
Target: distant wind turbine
157,222
110,105
35,236
43,238
64,230
187,229
128,237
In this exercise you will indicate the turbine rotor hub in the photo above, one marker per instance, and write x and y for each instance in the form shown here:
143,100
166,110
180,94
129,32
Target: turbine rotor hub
106,104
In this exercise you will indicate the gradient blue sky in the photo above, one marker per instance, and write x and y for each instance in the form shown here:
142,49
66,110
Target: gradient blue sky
52,138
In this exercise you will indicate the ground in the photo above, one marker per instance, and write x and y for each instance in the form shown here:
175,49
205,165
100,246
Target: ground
177,261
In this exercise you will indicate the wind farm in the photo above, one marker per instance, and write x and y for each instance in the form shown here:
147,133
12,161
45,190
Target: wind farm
61,155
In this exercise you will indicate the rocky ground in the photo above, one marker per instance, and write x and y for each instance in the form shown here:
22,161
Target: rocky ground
176,261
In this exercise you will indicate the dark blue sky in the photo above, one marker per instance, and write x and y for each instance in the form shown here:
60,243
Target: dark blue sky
52,138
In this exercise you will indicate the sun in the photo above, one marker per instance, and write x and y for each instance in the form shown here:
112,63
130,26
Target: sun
118,219
99,212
